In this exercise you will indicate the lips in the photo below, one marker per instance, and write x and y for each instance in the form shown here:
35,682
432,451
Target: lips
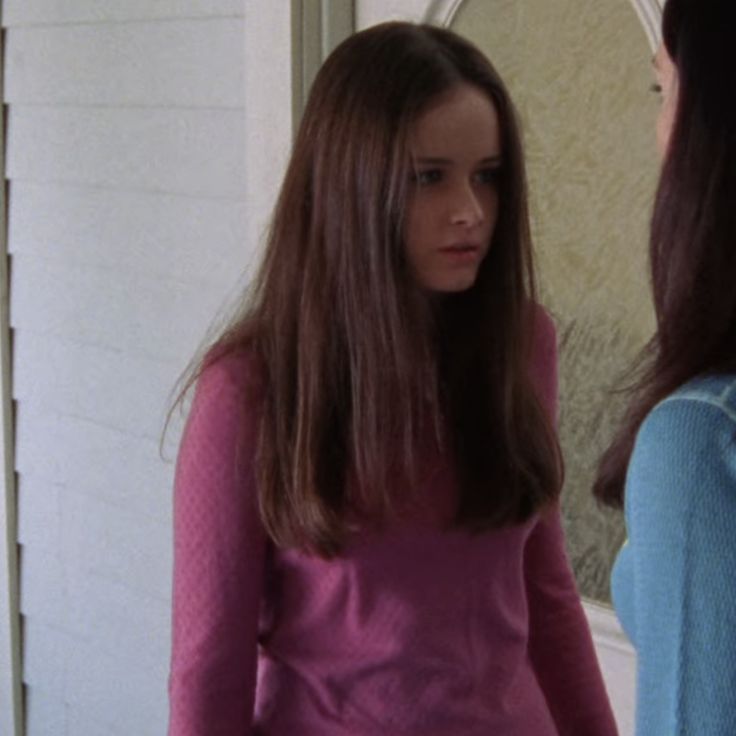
461,253
460,248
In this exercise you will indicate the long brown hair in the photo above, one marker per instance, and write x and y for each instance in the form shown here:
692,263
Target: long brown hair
693,230
358,366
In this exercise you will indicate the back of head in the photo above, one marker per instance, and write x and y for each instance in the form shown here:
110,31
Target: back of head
693,231
693,246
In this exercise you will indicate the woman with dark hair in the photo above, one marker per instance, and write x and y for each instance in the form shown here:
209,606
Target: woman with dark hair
367,536
673,463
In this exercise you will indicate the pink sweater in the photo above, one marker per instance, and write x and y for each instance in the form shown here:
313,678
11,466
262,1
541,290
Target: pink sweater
412,630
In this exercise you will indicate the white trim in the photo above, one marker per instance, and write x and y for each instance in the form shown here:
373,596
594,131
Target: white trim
607,631
11,683
443,12
650,15
316,28
617,660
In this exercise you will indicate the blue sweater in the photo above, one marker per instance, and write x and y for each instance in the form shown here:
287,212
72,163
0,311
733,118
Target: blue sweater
674,582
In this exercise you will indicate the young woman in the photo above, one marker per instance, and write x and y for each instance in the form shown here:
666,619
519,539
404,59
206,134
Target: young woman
367,538
673,583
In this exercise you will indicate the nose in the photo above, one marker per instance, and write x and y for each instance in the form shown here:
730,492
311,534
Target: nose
467,209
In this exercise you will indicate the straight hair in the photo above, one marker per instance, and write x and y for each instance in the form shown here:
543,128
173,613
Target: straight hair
693,229
359,371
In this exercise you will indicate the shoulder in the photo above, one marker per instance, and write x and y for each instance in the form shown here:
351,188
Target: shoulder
686,447
695,412
717,390
227,392
229,375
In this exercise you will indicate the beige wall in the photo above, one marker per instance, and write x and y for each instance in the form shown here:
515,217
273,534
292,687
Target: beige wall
579,73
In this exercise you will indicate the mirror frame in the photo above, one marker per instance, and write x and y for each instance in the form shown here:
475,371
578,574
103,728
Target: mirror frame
443,12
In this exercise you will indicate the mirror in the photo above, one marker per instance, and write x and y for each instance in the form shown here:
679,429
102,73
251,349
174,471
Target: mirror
579,72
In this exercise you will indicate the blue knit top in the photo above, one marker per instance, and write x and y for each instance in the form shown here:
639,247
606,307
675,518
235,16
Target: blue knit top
674,582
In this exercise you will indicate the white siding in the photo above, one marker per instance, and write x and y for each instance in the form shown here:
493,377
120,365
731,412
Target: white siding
370,12
139,315
128,229
57,12
196,152
139,64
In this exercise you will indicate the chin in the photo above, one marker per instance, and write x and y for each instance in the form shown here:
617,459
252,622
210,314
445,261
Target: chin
454,286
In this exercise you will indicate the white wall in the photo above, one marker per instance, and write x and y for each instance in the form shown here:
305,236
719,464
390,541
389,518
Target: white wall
132,216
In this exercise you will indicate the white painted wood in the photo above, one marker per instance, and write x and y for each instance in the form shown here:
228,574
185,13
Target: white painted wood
79,453
53,12
112,308
58,519
44,656
47,713
134,64
45,523
317,28
371,12
11,698
124,392
129,225
268,122
193,152
126,688
160,235
79,722
114,691
92,546
106,615
618,663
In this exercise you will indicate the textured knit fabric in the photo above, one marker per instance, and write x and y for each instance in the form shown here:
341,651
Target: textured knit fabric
674,582
412,630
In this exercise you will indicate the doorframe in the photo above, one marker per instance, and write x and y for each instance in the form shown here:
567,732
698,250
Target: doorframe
317,27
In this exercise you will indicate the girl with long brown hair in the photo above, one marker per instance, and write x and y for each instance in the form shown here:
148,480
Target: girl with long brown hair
673,463
367,536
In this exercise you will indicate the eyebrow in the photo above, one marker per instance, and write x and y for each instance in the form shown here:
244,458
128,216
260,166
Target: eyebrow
439,161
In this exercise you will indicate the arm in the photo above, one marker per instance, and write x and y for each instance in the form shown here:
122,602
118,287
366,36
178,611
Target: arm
560,645
219,550
681,518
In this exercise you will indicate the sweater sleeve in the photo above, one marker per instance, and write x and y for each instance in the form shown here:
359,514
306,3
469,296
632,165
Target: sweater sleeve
219,553
681,519
560,645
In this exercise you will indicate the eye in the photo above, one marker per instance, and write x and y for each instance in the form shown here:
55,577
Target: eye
425,177
656,88
488,175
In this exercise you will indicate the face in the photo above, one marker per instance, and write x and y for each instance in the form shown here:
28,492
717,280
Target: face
666,75
453,204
